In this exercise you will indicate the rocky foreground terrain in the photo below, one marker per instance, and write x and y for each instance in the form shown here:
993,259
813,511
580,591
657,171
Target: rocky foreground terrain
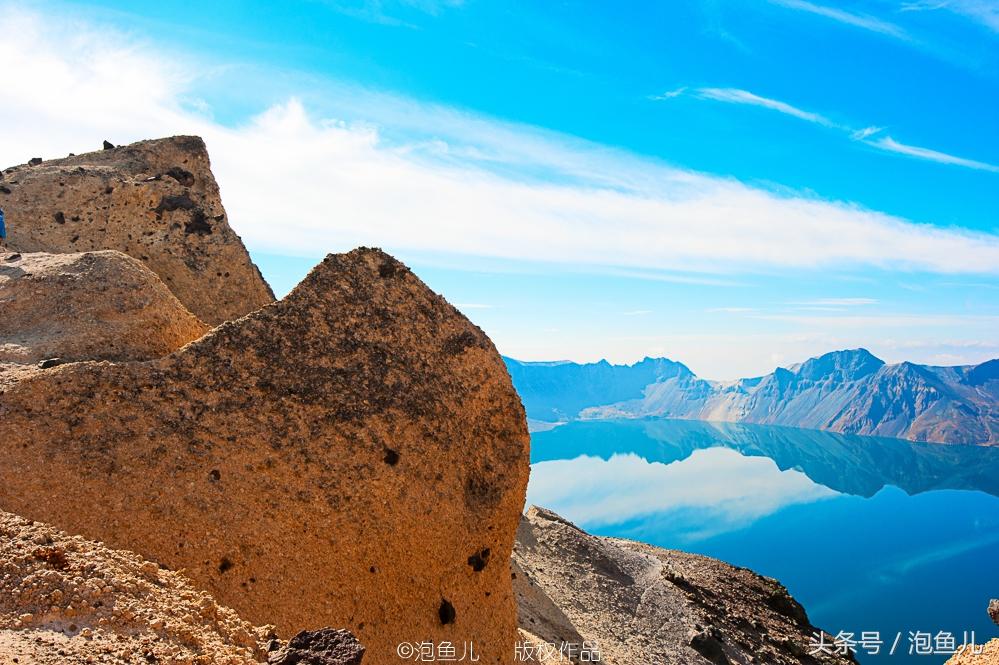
990,651
640,603
349,462
66,600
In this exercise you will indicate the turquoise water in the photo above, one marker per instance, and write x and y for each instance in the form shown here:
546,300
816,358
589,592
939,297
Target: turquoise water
868,534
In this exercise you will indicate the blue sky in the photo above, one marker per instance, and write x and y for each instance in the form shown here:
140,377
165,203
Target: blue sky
735,185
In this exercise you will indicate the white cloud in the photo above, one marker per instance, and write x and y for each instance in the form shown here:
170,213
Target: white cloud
863,21
985,12
413,177
836,302
866,132
736,96
386,12
889,144
670,94
886,143
872,321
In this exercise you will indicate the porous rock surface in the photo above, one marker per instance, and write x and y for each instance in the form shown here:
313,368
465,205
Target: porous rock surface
982,654
634,603
67,601
989,652
154,200
352,456
90,306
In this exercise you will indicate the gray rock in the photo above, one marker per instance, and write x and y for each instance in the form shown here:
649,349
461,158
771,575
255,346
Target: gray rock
326,646
635,603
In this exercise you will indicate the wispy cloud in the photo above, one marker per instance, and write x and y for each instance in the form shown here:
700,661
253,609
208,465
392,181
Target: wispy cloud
387,12
866,132
736,96
867,135
890,145
415,177
827,322
985,12
836,302
669,94
673,277
863,21
637,312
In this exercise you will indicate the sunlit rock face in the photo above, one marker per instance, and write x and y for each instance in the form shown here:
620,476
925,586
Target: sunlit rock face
90,306
156,201
352,456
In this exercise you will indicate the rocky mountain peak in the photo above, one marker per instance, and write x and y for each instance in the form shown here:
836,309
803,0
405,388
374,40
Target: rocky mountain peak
845,365
982,374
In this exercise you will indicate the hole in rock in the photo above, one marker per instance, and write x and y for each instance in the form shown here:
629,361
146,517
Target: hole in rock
446,612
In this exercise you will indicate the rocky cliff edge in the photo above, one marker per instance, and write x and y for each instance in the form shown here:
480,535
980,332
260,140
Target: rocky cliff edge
634,603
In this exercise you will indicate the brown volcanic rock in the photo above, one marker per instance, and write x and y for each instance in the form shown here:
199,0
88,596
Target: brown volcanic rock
353,455
154,200
66,601
967,655
91,306
989,651
641,604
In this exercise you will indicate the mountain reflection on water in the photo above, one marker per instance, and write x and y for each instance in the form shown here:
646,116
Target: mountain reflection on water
849,464
870,534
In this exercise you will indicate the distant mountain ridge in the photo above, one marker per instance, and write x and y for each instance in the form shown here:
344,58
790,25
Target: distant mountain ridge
849,391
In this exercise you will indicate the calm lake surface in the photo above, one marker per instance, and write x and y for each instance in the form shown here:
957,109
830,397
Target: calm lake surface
868,534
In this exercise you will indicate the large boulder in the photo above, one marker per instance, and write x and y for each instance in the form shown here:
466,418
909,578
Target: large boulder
68,601
90,306
154,200
626,602
352,456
